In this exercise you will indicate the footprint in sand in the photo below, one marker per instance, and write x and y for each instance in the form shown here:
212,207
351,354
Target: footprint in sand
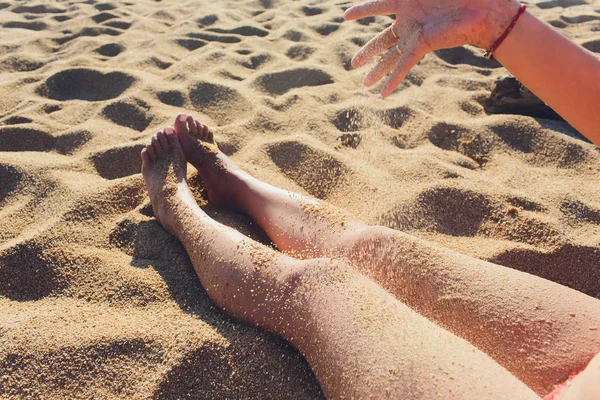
85,84
316,171
222,103
464,140
593,45
191,44
571,265
110,49
33,26
278,83
19,262
118,162
105,16
10,178
134,114
17,138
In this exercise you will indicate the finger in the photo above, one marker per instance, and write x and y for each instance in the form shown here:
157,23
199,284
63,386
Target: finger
369,8
385,65
408,60
377,45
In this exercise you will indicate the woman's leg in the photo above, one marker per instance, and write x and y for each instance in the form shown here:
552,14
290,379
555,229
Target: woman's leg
359,340
539,330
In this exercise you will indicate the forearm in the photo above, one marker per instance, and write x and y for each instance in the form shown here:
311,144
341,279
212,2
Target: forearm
564,75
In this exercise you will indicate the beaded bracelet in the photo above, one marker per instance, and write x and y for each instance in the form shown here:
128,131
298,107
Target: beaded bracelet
489,54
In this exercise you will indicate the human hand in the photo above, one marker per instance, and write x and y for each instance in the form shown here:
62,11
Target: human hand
422,26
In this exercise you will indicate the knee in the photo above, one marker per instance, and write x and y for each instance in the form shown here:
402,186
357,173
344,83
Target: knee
314,274
370,240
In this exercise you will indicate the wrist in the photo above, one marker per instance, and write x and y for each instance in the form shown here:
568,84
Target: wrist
497,18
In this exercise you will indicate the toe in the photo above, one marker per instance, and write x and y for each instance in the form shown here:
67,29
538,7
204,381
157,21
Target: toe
193,129
158,150
150,152
180,124
207,133
145,157
171,137
203,130
164,144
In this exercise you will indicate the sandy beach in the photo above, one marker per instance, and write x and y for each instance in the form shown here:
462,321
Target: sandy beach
97,300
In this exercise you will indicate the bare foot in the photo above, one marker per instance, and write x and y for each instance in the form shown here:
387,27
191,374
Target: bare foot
221,177
164,170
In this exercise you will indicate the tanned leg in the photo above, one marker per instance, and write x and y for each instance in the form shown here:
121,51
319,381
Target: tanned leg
539,330
359,340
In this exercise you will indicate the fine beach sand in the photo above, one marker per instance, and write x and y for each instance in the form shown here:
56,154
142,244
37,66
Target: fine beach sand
98,300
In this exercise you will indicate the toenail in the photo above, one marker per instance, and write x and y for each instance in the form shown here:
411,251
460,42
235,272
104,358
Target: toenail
182,118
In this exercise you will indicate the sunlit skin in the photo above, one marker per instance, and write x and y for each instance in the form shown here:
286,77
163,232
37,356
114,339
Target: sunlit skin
358,301
569,83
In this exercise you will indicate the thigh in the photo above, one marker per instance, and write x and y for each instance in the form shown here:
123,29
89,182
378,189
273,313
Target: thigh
539,330
362,342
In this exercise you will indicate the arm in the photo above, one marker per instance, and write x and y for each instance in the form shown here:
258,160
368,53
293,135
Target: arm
563,74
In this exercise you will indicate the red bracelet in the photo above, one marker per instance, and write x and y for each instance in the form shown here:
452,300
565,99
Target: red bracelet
489,54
